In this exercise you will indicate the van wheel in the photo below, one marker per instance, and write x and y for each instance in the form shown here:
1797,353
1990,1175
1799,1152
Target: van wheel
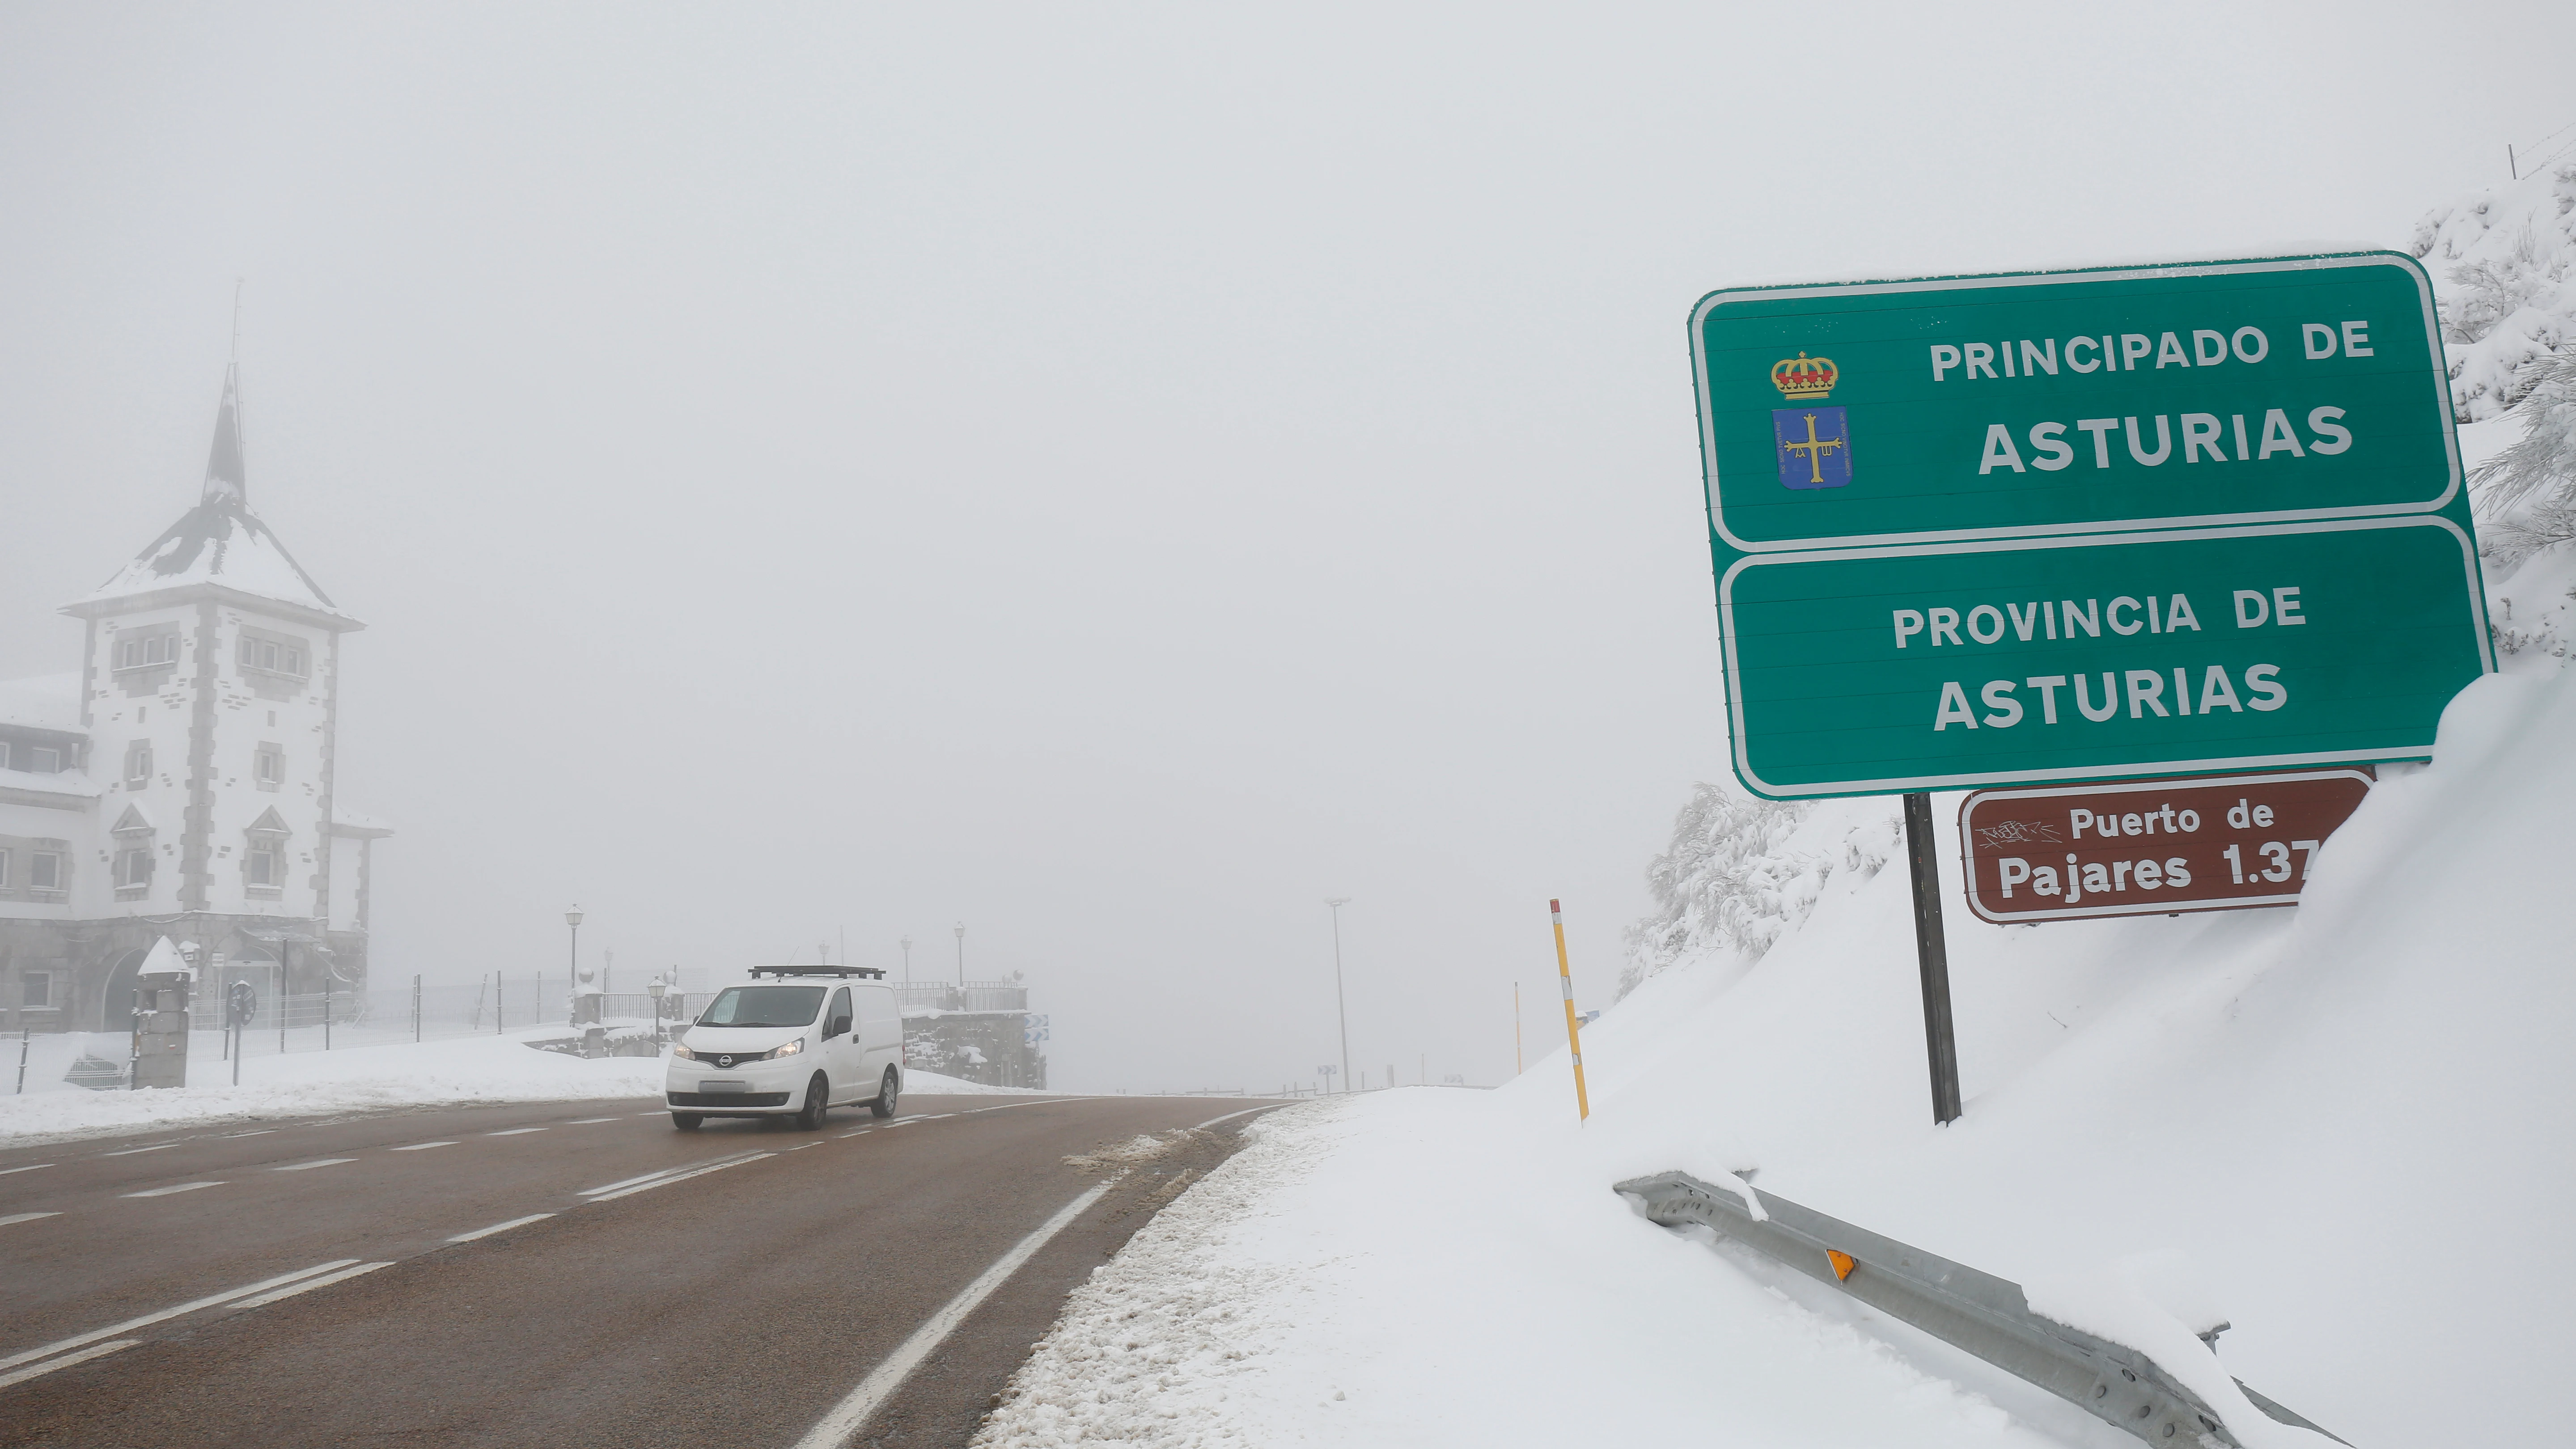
818,1100
686,1121
883,1106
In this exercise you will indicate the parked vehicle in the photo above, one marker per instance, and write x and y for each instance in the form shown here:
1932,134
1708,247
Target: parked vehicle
810,1039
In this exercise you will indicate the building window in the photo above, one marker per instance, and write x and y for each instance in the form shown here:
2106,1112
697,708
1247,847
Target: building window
43,761
36,988
133,867
268,766
138,763
4,869
259,867
272,656
147,651
44,870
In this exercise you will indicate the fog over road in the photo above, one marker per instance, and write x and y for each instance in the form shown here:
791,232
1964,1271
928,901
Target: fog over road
644,1287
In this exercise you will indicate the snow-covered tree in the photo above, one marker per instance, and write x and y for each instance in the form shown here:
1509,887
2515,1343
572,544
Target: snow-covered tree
1727,881
2527,493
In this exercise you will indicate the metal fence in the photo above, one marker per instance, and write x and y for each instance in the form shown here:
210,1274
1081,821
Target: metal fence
973,996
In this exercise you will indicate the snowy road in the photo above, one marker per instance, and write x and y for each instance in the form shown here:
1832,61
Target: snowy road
565,1272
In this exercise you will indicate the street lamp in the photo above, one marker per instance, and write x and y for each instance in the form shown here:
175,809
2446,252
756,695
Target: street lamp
961,963
654,989
572,974
906,943
1340,1010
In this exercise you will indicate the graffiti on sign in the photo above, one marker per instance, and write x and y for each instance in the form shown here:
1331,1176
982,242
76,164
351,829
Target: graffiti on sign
2150,847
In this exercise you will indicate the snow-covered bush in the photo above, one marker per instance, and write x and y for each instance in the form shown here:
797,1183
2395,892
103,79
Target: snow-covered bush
2504,267
1728,881
2527,493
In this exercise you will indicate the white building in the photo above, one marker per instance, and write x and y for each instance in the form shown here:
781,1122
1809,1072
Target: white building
181,781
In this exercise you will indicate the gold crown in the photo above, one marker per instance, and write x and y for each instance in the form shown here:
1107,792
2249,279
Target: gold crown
1803,376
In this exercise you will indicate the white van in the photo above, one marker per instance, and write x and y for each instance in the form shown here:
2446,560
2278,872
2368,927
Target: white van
813,1038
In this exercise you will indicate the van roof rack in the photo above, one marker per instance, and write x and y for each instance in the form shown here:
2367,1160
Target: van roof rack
873,973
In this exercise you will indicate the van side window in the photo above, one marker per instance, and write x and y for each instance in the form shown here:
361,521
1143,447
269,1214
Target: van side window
840,1018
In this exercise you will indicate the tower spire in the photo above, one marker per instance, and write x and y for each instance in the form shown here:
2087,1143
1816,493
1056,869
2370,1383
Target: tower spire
224,464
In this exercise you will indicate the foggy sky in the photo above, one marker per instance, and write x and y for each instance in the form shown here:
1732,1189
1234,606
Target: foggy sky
1111,475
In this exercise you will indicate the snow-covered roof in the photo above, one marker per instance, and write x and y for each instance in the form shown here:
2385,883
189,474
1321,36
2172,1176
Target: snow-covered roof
345,821
218,543
71,784
43,701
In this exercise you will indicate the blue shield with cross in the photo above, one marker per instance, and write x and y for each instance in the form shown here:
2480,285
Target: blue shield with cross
1815,447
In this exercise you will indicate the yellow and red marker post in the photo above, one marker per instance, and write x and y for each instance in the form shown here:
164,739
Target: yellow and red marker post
1573,1028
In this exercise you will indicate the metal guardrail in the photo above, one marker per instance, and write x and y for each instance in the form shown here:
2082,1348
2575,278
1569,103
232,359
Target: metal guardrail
1985,1315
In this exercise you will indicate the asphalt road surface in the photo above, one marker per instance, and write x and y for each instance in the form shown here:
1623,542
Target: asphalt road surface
559,1274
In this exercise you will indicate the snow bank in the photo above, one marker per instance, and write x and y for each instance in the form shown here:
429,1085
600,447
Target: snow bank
2345,1123
462,1070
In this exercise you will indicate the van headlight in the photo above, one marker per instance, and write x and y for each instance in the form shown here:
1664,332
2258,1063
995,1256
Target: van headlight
684,1053
791,1049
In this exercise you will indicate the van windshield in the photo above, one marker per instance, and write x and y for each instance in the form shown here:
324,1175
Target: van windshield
763,1006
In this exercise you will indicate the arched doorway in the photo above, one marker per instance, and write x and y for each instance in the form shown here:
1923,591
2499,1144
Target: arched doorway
116,999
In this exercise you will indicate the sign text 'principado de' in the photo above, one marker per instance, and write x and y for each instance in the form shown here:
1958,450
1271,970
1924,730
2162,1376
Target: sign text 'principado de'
2084,525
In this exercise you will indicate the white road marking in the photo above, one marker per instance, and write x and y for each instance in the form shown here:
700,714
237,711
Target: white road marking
500,1227
421,1146
166,1191
801,1146
654,1113
147,1320
66,1361
130,1151
586,1121
317,1162
325,1281
260,1132
862,1132
1230,1116
513,1131
666,1179
842,1425
30,1167
25,1218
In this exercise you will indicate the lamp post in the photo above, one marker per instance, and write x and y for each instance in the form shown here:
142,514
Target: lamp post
654,989
572,975
961,964
1341,1011
906,943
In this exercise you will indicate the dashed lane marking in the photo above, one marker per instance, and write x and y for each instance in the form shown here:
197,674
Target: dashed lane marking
166,1191
586,1121
513,1131
801,1146
616,1190
500,1227
25,1218
147,1320
30,1167
260,1132
325,1281
20,1376
421,1146
130,1151
309,1166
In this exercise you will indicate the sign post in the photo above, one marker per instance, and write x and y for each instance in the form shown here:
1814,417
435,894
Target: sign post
2115,524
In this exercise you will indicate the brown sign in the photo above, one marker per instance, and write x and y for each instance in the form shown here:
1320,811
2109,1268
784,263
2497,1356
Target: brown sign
2149,847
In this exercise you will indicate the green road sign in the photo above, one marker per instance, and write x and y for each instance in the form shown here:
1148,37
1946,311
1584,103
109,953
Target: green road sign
1950,665
2278,390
